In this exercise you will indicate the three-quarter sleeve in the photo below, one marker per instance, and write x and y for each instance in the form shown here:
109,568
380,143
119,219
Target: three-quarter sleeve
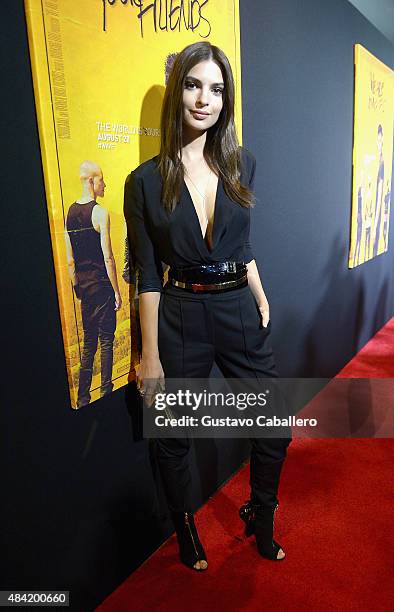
248,253
148,265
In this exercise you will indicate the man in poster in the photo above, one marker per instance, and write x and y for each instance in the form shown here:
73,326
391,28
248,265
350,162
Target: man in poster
379,192
386,214
356,259
368,219
92,271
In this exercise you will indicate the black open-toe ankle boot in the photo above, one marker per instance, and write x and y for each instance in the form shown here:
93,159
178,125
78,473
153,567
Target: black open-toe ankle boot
264,532
247,514
258,512
190,547
259,520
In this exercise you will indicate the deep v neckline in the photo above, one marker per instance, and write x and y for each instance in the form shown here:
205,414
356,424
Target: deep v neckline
214,221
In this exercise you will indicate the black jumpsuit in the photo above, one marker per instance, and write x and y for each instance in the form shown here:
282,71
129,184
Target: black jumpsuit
196,330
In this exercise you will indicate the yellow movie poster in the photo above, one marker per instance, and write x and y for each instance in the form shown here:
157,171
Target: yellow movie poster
99,71
372,157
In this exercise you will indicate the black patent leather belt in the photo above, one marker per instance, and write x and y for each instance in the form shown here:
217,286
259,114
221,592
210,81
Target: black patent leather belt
222,276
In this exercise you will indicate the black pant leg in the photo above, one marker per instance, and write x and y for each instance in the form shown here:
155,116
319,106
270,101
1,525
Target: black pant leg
90,340
107,326
244,351
186,351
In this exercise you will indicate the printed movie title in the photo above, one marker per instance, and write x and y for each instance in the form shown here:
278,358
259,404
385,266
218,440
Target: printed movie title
165,15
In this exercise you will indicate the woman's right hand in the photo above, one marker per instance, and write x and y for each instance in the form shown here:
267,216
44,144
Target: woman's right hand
150,378
150,375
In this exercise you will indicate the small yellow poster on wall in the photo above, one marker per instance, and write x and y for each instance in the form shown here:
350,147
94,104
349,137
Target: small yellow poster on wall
372,157
99,71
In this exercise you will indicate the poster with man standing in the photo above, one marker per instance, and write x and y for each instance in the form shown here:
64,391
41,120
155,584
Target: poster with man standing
372,157
99,71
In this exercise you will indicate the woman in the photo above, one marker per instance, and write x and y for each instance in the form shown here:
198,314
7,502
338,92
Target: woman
190,208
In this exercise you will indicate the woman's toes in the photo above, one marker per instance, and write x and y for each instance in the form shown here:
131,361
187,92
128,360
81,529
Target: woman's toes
201,565
280,554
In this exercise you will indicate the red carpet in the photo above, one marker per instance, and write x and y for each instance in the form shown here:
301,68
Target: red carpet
358,402
333,522
376,358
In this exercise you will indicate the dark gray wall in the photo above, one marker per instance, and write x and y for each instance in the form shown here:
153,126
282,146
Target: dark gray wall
297,82
79,509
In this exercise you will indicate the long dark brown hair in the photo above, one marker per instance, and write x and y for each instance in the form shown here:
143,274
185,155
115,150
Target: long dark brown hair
221,148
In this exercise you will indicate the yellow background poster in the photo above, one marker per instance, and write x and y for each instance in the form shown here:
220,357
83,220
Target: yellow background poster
372,157
99,71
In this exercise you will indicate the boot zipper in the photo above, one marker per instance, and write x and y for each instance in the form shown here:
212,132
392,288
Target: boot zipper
190,531
273,516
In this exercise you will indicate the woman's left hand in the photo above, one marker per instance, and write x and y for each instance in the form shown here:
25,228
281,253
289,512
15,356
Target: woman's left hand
264,313
258,292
